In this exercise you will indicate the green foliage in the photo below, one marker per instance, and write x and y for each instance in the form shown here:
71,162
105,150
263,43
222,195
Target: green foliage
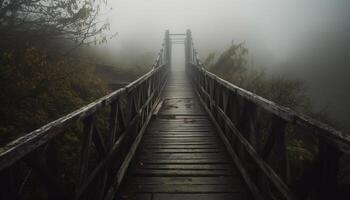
286,92
210,59
231,61
38,88
232,66
125,68
39,85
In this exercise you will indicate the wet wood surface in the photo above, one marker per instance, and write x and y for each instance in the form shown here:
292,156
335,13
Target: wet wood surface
181,155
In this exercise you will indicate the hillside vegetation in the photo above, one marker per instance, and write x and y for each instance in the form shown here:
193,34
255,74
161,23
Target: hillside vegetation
46,70
232,66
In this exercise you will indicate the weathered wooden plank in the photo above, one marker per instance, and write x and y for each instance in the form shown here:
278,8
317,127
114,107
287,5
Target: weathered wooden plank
139,99
142,98
183,156
188,120
211,142
182,172
181,132
181,143
184,119
196,139
175,145
181,125
189,166
136,196
181,146
181,135
251,185
172,129
216,180
189,151
185,188
187,161
206,196
181,117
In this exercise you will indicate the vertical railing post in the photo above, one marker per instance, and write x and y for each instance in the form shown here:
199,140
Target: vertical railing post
188,48
167,48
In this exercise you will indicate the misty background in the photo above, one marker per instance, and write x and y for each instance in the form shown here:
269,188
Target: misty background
305,40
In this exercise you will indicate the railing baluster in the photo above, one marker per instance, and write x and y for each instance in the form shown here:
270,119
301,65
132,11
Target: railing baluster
10,185
252,115
131,109
279,133
85,149
328,167
99,142
38,161
113,120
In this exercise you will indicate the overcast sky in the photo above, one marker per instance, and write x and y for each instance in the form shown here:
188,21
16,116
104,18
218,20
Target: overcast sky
271,28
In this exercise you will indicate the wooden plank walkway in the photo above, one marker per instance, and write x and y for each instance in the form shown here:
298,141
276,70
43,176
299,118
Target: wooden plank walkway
181,155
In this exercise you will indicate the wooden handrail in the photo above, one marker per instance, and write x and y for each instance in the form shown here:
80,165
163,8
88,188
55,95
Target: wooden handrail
336,137
259,136
130,109
22,146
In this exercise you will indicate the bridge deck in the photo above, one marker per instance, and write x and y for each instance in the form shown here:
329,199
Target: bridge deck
181,155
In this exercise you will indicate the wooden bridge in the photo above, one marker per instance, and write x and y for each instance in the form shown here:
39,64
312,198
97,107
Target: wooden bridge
178,135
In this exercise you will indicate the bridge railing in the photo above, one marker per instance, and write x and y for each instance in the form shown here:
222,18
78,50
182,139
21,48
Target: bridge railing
281,154
31,167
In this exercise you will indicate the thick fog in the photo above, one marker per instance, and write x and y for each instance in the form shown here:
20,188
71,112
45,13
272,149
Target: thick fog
309,40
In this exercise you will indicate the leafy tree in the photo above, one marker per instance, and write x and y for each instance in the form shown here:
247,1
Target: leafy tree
34,21
232,66
230,62
37,82
37,88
